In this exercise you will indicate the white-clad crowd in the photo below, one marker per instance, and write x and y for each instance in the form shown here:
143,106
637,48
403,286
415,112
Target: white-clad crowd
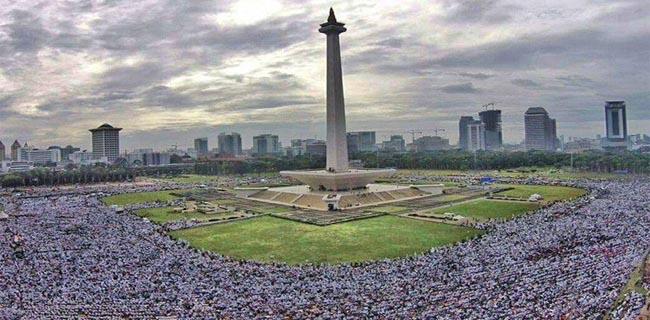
69,255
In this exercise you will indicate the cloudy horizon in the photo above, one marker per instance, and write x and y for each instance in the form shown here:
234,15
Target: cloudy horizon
170,71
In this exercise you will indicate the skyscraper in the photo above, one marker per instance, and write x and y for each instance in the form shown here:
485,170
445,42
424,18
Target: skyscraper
615,125
493,136
229,144
396,143
106,142
14,150
540,130
462,131
3,155
201,146
266,144
361,141
475,131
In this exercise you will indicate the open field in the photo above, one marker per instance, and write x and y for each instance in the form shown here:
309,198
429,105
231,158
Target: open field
163,215
390,209
488,209
274,239
192,178
550,193
140,197
512,173
207,179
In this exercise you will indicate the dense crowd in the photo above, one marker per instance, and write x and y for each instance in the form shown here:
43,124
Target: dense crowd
78,257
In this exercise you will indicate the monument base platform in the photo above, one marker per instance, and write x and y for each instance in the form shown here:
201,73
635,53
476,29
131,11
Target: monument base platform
322,180
303,197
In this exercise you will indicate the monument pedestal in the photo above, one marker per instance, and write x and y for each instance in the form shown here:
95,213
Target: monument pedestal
323,180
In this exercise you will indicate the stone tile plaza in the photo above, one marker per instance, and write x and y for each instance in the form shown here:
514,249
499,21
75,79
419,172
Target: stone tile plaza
471,233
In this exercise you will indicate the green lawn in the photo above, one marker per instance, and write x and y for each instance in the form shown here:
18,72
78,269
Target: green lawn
193,178
388,209
488,209
163,215
274,239
550,193
512,173
140,197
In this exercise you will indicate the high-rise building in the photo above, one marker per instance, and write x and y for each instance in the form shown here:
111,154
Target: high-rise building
615,126
475,131
201,146
430,143
300,147
229,144
14,150
493,136
361,141
66,151
462,132
106,142
540,130
3,155
39,156
395,144
266,144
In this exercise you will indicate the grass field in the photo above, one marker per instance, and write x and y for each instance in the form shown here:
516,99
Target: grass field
140,197
488,209
388,209
550,193
514,173
163,215
274,239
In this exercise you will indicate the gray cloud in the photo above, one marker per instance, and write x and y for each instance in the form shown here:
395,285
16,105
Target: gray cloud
161,68
475,11
525,83
467,87
477,75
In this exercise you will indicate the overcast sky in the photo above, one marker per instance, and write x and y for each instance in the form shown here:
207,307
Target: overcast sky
170,71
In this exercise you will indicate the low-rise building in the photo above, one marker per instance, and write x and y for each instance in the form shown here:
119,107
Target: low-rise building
85,158
39,156
9,166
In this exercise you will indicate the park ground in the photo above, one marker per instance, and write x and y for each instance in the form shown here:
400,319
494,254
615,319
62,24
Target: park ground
273,239
391,235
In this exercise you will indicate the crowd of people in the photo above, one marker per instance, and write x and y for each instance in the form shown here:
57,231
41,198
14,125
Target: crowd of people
81,258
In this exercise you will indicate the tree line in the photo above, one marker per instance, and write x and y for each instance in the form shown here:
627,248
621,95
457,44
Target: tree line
593,161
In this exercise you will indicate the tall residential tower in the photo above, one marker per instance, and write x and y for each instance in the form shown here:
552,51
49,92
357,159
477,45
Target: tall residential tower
540,130
106,142
615,126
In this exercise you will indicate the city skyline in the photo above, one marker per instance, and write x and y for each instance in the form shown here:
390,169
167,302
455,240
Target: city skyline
199,69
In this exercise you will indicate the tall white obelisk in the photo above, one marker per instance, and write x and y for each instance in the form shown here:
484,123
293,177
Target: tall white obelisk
337,145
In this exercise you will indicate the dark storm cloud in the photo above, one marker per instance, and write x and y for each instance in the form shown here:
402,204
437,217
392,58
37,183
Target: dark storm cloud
467,87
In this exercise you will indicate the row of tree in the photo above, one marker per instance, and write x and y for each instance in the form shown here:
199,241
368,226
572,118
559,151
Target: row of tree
595,161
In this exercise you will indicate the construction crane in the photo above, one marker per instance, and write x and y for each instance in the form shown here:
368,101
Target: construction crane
413,132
